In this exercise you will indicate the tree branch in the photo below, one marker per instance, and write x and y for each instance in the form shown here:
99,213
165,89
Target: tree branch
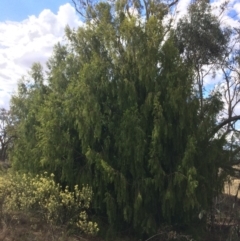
76,7
173,3
225,122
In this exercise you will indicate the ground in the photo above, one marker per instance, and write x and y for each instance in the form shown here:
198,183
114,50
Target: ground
20,226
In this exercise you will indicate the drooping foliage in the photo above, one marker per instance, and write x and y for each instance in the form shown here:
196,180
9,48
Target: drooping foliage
118,111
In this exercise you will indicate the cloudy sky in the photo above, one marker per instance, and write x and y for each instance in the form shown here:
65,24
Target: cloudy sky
29,29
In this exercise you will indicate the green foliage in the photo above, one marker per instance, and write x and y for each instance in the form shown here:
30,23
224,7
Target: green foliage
199,35
42,196
119,111
25,107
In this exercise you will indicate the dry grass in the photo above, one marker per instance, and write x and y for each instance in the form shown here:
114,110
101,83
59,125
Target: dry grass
25,227
231,187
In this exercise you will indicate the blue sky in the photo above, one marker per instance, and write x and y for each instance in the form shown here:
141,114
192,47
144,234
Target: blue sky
18,10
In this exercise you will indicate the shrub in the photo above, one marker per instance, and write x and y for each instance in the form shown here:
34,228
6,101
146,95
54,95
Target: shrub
40,194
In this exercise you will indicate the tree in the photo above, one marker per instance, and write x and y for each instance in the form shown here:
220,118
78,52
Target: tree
6,138
213,49
201,41
58,139
25,105
120,112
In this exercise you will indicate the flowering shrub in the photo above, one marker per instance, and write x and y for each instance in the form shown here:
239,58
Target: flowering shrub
42,195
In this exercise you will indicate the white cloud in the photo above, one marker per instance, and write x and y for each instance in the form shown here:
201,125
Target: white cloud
182,7
29,41
179,11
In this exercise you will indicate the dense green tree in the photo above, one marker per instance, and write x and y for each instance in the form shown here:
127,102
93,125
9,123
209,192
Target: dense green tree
58,138
119,111
25,105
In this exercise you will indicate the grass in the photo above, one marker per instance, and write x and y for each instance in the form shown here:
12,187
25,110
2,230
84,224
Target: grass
19,226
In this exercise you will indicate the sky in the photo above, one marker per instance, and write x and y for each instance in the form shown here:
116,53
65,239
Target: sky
29,29
19,10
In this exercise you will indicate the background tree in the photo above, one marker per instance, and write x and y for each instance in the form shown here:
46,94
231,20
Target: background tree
25,105
201,41
213,50
6,138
